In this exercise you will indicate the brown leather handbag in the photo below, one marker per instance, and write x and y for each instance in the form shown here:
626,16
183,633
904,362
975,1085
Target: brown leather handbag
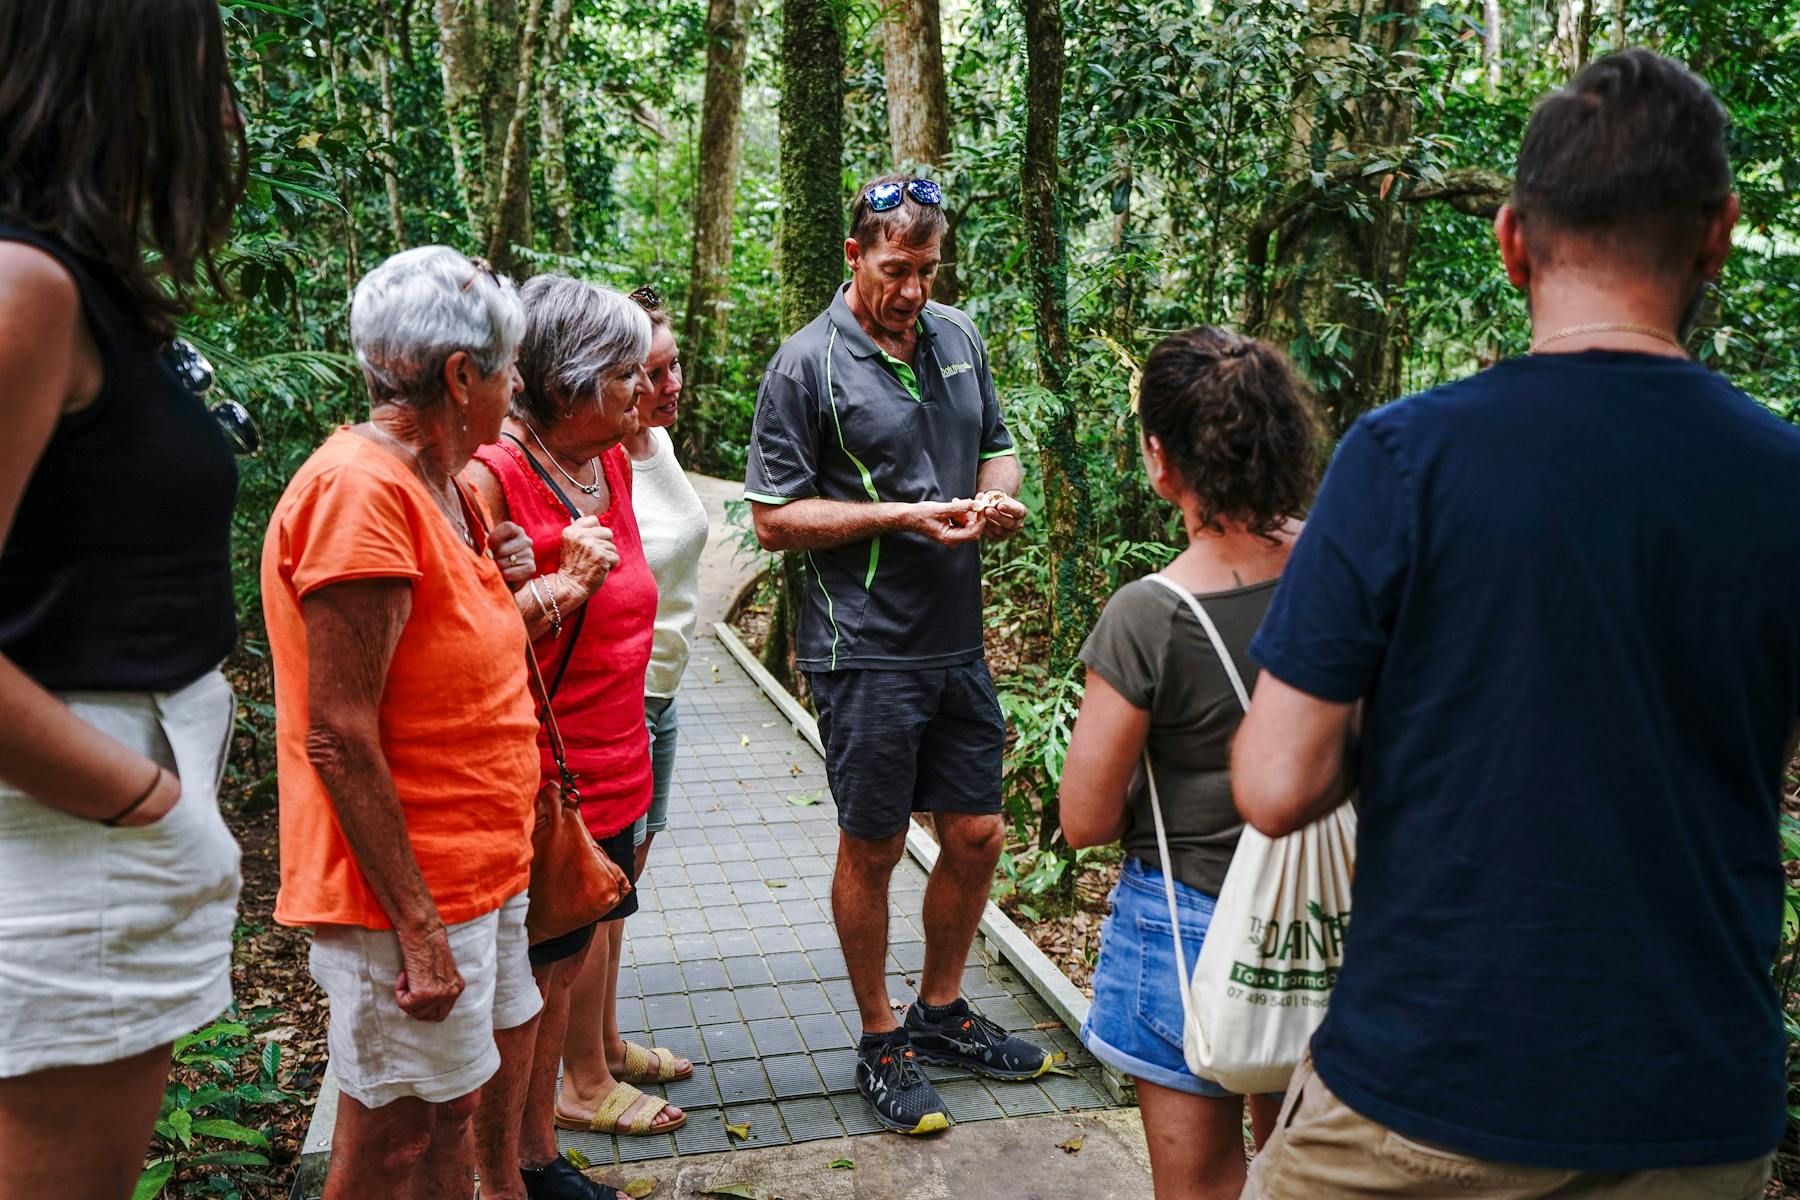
573,882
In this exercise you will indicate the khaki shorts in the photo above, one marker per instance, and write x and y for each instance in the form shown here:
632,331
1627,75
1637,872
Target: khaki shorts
378,1053
1321,1148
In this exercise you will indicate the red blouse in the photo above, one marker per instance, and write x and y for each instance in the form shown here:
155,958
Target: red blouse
600,702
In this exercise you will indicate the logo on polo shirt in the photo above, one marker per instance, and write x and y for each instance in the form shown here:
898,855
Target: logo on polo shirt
957,369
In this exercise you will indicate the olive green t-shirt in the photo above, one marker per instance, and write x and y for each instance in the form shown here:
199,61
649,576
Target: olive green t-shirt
1150,647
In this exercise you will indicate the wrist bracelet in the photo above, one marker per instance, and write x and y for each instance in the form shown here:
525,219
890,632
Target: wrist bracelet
555,612
138,803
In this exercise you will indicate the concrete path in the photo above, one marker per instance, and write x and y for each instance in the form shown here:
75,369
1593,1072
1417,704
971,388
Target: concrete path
723,567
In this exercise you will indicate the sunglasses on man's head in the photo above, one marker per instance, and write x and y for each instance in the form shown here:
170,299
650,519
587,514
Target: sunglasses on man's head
197,375
888,197
648,298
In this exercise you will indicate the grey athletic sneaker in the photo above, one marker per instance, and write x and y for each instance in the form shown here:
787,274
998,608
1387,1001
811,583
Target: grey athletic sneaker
889,1078
963,1037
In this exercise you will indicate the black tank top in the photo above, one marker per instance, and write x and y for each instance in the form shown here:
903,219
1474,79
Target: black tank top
117,573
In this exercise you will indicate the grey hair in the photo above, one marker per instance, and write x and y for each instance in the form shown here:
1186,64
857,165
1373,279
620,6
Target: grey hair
411,313
575,334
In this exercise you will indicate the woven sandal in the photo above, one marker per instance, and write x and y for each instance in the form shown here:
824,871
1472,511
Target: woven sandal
607,1118
653,1065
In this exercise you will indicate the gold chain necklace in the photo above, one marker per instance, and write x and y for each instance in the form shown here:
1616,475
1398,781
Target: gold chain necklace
1649,331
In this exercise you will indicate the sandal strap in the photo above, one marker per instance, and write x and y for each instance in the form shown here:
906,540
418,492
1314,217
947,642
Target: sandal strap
606,1117
657,1063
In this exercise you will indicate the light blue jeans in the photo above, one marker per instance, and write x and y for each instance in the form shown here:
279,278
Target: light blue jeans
659,717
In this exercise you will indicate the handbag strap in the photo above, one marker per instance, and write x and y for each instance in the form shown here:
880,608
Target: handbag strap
540,694
1162,835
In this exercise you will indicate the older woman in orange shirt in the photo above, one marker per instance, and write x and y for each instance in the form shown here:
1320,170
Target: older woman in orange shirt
406,735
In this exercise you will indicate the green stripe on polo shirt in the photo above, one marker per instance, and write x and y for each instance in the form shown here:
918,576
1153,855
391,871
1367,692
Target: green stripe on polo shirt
760,498
903,371
868,486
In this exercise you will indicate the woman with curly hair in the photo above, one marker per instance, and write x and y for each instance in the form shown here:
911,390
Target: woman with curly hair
1230,439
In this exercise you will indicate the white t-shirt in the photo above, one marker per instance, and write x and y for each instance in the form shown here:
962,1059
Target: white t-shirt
672,520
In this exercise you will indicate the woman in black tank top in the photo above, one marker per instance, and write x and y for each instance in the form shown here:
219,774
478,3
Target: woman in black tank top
120,145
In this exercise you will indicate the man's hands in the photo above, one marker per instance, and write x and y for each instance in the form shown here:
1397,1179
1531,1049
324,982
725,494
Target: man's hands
993,516
511,548
429,983
588,553
1002,515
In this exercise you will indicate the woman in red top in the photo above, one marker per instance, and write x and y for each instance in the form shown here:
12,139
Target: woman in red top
558,471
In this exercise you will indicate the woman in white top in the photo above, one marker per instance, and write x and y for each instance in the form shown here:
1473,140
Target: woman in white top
673,523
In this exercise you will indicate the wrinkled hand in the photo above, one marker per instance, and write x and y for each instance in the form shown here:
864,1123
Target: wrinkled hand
588,553
1004,515
511,548
429,982
947,522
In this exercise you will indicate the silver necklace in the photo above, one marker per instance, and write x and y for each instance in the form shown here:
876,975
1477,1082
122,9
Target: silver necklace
450,514
590,489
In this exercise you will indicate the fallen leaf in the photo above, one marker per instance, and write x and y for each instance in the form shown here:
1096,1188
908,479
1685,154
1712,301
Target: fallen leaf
1072,1146
794,769
637,1189
1048,1025
745,739
743,1191
841,1164
776,882
576,1159
803,799
740,1132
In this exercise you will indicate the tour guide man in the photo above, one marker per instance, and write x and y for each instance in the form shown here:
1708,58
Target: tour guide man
879,452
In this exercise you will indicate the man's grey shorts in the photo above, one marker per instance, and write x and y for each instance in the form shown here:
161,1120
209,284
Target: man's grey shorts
904,741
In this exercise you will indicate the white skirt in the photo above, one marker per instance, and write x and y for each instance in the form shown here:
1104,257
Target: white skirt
114,941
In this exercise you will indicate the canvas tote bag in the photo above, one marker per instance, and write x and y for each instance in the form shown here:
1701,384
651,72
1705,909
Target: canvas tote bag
1276,940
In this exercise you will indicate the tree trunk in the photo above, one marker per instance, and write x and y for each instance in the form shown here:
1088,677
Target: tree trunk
1068,505
812,158
715,194
352,264
1490,41
512,194
1618,26
558,191
462,57
1350,340
390,159
918,107
811,229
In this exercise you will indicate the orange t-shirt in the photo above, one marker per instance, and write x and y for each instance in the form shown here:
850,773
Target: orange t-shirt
457,722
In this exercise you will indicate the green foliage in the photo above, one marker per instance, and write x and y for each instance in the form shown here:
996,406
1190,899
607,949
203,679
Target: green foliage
209,1123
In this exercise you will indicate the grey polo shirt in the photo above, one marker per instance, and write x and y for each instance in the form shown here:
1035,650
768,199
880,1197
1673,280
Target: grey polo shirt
835,419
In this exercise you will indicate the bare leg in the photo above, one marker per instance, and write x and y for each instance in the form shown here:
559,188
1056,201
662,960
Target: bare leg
409,1149
537,1133
642,857
1196,1143
497,1120
51,1142
587,1080
954,897
859,905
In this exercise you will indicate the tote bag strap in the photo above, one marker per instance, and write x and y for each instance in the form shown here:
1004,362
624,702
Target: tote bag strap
1162,834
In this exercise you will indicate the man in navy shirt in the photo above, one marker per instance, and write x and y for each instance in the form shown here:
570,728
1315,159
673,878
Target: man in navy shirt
1565,594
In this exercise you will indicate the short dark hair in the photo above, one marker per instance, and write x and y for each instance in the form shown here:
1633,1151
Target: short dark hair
1235,424
909,223
1631,153
113,138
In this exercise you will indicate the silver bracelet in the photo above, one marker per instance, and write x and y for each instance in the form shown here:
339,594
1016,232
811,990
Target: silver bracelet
555,613
549,609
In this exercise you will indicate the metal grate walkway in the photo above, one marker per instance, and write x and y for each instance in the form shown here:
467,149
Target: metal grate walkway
732,960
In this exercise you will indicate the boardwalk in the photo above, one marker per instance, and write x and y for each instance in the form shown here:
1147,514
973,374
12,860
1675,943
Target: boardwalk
733,961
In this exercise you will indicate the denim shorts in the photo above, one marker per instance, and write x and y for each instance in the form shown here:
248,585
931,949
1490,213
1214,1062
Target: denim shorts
1136,1021
659,718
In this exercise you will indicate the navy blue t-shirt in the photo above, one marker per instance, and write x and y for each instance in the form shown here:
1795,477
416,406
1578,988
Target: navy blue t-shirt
1569,590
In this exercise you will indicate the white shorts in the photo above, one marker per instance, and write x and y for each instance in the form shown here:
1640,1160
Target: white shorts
378,1053
115,941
